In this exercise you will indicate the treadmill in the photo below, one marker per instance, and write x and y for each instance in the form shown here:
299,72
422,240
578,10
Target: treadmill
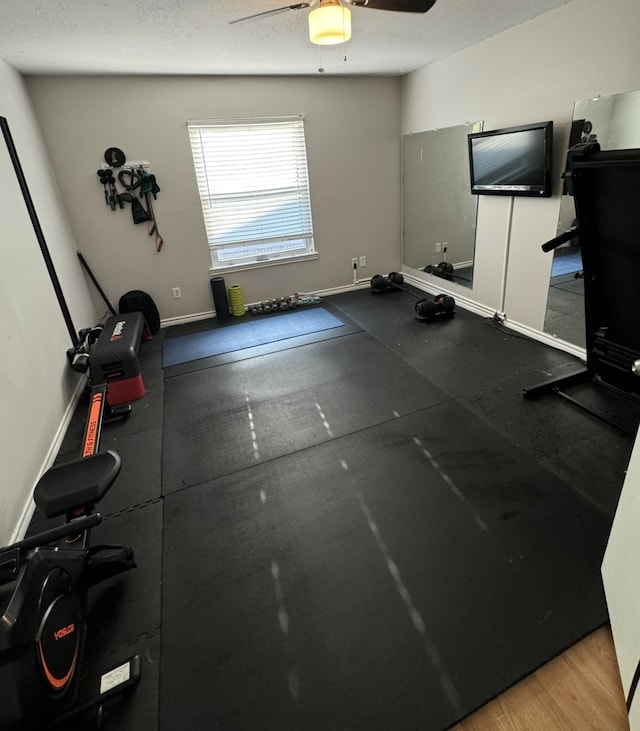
606,189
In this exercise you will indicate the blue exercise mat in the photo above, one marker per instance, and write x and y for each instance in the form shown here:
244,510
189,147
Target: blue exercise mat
566,264
260,331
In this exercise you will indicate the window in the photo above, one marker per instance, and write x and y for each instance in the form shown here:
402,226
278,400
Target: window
254,189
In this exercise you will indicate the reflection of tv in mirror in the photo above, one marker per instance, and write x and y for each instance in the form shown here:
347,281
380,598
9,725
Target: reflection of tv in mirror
512,161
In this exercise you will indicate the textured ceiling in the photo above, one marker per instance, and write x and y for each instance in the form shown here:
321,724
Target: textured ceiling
195,36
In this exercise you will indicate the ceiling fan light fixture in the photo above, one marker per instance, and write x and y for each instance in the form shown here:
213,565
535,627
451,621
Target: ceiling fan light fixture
329,23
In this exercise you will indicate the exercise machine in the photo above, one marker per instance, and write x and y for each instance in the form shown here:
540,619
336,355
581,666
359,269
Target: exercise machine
604,184
45,580
109,354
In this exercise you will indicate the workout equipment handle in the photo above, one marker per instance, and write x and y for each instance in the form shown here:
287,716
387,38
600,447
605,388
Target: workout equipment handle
11,556
78,525
572,233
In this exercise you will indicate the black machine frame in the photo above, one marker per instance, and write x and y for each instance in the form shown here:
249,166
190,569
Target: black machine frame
44,584
605,185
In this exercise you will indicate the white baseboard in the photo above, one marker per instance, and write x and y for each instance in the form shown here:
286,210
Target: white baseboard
170,321
547,339
468,304
360,284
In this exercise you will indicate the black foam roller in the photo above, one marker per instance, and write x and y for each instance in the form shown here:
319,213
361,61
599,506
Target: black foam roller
220,300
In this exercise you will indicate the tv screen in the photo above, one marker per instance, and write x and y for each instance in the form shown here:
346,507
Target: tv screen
512,161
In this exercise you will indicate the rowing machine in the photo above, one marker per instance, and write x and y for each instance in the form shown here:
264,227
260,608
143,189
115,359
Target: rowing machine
44,585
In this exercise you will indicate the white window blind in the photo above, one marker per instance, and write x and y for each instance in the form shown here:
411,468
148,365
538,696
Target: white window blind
254,189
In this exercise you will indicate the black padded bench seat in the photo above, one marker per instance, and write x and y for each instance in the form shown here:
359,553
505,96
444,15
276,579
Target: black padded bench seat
80,483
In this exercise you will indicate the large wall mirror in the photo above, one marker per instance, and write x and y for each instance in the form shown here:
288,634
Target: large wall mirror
614,122
438,210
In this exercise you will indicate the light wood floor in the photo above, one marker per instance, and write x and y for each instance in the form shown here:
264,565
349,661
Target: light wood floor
579,690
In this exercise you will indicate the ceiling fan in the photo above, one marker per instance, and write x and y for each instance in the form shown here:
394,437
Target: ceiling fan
330,21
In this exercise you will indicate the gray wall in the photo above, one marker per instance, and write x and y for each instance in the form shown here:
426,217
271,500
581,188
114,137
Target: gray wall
533,72
353,148
36,387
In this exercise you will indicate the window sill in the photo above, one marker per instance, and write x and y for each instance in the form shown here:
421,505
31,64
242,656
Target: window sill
219,271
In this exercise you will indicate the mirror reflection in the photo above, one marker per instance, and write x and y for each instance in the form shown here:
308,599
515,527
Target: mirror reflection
614,122
439,212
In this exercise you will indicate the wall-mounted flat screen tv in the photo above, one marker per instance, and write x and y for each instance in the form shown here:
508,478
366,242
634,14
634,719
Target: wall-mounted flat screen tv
512,161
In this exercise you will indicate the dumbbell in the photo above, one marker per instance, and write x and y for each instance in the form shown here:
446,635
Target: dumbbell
444,270
78,359
381,284
440,307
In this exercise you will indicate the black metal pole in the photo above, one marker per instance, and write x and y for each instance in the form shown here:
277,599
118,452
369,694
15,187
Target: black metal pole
13,154
83,261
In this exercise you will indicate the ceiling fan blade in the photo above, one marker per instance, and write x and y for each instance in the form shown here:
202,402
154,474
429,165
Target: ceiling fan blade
275,11
399,6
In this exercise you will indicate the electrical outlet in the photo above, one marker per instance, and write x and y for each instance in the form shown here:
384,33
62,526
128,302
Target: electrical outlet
444,246
354,263
363,261
177,294
438,247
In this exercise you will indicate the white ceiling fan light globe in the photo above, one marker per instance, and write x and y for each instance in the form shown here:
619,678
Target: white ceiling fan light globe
329,24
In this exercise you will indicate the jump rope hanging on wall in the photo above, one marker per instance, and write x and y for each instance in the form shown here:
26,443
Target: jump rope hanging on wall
139,185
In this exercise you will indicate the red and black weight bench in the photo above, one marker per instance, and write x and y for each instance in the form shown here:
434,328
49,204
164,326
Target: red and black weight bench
114,359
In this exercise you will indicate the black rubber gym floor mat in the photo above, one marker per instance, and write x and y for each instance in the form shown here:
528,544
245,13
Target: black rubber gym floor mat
227,418
395,578
486,367
128,606
125,613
